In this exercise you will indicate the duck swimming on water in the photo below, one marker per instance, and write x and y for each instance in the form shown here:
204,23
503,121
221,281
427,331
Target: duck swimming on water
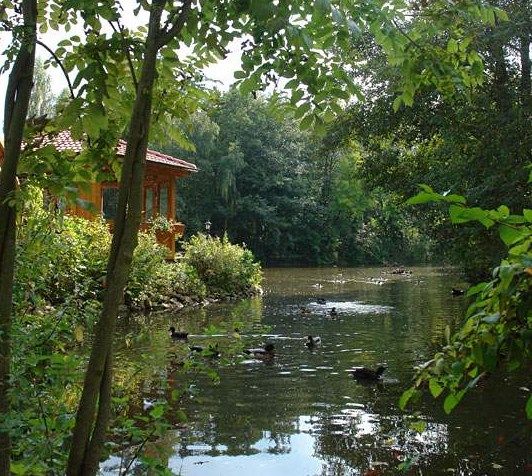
313,341
333,312
368,375
177,335
266,352
321,301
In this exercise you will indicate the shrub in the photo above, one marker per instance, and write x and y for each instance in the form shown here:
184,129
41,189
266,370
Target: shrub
60,257
223,267
62,260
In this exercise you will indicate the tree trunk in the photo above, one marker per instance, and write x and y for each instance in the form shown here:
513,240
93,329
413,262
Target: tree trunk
94,408
16,109
500,83
524,47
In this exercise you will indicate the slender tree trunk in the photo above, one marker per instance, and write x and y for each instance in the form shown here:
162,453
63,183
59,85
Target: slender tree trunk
501,79
16,109
524,47
95,405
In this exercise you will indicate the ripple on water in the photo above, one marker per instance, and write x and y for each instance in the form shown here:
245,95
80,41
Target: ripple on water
351,307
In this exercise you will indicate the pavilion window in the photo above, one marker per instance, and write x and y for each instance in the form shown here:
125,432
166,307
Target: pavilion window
109,202
150,203
163,200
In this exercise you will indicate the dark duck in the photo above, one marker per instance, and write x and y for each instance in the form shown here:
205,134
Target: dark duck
266,352
313,341
178,335
368,375
333,312
457,292
210,351
321,301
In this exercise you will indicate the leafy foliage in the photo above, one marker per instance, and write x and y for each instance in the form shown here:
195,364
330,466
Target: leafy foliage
497,327
264,182
464,142
223,267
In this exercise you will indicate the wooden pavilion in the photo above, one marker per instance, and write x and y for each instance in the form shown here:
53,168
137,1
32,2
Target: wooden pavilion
160,181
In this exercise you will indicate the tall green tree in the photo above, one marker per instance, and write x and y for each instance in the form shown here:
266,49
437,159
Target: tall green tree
465,142
42,100
22,55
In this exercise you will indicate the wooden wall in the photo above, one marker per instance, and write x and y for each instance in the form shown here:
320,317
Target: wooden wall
156,176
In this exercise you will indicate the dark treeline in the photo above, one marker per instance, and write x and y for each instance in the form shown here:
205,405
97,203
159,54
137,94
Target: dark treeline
283,192
476,143
338,197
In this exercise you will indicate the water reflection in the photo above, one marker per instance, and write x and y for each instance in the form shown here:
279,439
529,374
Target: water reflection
301,413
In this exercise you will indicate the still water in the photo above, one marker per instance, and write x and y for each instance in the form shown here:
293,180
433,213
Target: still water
301,413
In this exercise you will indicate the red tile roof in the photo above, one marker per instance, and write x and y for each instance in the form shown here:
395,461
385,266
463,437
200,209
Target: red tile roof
64,141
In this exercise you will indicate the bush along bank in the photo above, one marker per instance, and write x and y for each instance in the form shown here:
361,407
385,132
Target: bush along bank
61,262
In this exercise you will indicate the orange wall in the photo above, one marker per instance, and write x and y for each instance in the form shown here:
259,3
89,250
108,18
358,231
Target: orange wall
156,175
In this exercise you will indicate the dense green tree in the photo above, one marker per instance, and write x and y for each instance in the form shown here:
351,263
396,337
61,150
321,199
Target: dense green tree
266,183
476,142
42,99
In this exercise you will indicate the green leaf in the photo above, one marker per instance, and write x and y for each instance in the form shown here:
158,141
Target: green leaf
405,397
397,103
322,6
454,198
302,110
293,83
452,46
461,214
157,412
511,235
418,426
527,213
478,288
18,468
297,94
529,408
306,122
423,197
435,388
452,400
240,74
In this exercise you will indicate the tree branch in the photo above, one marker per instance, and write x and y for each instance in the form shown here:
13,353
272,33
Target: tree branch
407,36
166,36
58,61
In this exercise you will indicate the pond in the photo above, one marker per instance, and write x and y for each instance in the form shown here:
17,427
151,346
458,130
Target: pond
301,413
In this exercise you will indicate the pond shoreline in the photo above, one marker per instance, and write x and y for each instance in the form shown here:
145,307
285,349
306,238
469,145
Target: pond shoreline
178,302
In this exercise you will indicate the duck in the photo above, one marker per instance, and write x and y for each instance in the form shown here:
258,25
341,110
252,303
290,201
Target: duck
177,335
321,301
266,352
457,292
147,404
210,351
304,310
313,341
333,312
368,375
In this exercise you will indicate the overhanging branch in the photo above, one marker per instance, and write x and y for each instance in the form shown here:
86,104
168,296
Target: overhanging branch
165,36
58,61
